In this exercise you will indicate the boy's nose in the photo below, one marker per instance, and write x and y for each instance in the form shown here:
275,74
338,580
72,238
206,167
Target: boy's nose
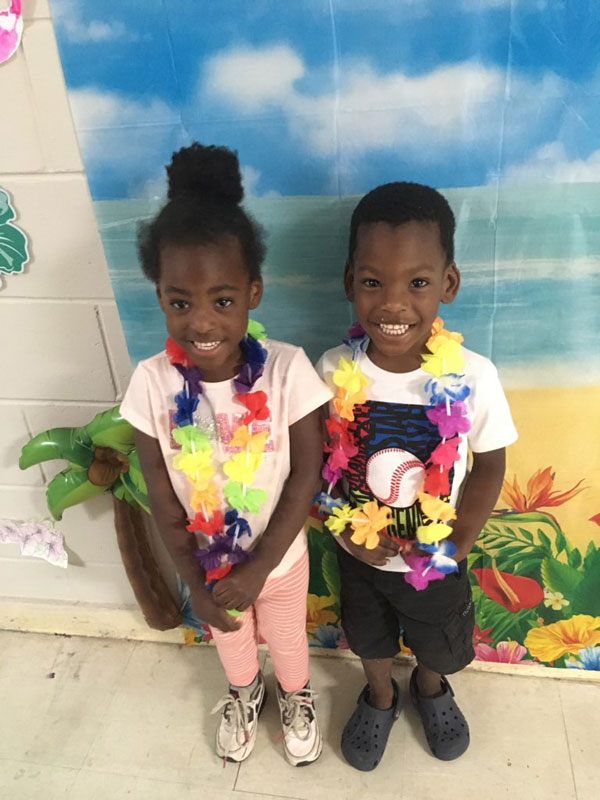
395,300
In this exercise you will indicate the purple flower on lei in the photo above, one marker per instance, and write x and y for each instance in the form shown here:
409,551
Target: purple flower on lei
420,575
255,356
221,552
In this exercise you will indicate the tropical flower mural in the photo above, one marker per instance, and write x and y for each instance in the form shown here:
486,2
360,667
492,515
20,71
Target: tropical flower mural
536,595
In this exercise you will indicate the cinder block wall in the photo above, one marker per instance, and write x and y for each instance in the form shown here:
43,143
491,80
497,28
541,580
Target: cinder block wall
62,355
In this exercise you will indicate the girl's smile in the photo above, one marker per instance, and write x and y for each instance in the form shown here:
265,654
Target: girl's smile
205,293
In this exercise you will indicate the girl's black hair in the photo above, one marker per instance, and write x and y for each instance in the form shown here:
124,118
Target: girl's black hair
204,196
400,202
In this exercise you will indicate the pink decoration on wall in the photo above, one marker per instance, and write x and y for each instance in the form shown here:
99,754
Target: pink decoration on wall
11,30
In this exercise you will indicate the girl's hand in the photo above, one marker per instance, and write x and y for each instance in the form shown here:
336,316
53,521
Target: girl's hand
379,556
208,611
242,586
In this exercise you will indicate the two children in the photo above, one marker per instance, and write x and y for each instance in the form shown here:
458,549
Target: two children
229,437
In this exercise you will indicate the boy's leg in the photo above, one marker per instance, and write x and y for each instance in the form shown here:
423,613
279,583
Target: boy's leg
438,624
281,617
378,672
373,633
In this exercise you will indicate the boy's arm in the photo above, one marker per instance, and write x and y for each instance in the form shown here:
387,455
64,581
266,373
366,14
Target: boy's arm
171,520
480,493
242,586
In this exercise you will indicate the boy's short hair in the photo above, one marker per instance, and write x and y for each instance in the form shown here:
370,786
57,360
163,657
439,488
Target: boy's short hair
400,202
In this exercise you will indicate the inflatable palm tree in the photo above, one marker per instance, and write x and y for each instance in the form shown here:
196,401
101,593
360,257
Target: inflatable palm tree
102,458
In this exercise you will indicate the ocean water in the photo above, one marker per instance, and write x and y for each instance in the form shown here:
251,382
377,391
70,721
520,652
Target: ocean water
529,258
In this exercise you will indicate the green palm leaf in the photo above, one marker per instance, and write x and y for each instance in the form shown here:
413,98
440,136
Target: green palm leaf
68,488
109,429
71,444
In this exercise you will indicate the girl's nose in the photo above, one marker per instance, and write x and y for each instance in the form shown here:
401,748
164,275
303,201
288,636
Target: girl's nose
202,322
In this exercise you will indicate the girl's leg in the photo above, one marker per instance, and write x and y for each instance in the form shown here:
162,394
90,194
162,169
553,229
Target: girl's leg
238,651
281,618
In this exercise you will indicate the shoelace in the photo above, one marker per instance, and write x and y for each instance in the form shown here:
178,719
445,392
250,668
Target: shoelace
298,711
235,710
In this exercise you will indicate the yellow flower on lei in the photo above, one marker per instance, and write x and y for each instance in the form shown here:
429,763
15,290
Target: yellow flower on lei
344,405
349,377
242,466
430,534
367,522
197,466
445,357
205,499
434,508
565,636
437,329
339,518
255,442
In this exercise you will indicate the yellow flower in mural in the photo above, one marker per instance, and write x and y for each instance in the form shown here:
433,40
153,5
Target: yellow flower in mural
317,614
566,636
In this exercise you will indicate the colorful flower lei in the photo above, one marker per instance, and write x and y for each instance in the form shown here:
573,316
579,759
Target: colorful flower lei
447,410
196,457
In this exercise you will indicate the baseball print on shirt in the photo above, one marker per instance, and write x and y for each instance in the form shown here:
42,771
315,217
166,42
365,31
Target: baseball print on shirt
394,441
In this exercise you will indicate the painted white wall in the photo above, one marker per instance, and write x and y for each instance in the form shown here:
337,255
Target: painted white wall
62,353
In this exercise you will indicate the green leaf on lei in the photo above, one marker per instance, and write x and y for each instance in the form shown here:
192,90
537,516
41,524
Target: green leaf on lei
190,437
251,500
256,330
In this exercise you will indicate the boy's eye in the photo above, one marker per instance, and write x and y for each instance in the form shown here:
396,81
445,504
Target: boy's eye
180,305
224,302
419,283
371,283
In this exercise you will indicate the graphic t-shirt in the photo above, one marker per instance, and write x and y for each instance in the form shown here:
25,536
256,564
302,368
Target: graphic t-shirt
395,438
293,390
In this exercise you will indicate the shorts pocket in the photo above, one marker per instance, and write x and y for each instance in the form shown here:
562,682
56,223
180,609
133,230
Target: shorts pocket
458,631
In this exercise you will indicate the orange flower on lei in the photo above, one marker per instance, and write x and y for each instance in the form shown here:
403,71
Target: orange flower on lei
367,522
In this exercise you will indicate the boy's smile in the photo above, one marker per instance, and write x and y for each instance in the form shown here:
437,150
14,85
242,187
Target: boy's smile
205,293
398,277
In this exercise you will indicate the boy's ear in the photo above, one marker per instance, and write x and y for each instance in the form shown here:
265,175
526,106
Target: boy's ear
256,293
451,283
349,281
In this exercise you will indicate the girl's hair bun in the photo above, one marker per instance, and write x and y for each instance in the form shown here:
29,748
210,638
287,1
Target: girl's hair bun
206,172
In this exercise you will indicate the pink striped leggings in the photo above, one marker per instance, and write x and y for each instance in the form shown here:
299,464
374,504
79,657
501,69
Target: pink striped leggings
279,616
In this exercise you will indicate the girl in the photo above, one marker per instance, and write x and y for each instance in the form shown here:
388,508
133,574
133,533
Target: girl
229,440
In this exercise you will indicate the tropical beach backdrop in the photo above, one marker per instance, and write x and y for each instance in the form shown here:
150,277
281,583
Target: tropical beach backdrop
495,102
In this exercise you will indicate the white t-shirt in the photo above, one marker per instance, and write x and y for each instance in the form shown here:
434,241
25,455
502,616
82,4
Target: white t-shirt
395,437
293,390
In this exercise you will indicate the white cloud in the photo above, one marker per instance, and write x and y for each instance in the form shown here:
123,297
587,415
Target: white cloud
371,110
550,164
97,108
250,82
68,19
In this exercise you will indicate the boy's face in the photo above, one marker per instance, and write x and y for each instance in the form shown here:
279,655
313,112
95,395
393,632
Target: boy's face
398,277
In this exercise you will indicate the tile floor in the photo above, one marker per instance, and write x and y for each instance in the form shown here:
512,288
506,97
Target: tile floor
96,719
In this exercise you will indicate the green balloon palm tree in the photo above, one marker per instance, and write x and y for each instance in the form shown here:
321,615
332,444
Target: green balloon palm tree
102,458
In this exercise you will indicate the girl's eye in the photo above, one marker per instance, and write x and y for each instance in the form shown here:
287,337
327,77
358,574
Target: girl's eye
371,283
180,305
224,302
419,283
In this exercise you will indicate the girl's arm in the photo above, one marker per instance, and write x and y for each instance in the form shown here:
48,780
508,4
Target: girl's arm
480,493
244,583
171,519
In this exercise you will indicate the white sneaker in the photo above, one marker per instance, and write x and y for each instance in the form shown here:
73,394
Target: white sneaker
302,740
236,733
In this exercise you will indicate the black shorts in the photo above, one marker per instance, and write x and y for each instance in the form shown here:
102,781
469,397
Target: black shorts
378,607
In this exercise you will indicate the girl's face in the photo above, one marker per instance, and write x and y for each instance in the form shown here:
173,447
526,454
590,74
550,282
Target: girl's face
206,293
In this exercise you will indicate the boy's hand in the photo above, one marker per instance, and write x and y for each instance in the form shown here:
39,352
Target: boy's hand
379,556
242,586
208,611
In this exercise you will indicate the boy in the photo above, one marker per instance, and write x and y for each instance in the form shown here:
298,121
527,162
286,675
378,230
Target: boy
400,268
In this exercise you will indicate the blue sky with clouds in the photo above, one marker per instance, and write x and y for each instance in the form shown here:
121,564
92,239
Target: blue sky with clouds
328,97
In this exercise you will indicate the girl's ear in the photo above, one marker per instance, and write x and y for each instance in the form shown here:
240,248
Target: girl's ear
256,293
349,281
451,283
